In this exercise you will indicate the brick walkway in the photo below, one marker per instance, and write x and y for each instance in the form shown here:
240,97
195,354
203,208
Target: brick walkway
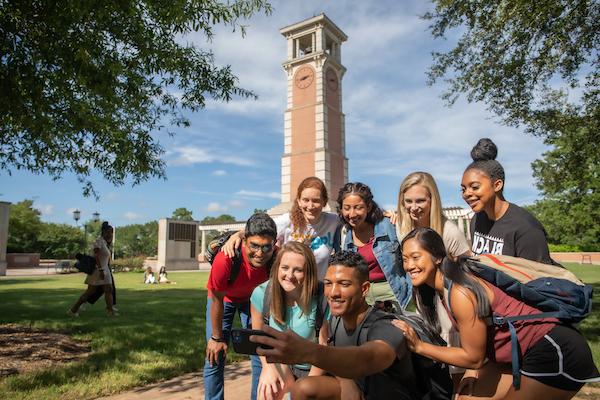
191,387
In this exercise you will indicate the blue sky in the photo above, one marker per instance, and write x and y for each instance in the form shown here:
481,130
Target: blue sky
228,160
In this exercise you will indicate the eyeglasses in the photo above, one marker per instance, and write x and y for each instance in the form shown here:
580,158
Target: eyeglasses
264,248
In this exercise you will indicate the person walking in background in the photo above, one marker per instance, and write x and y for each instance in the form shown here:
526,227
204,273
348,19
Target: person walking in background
226,297
290,299
499,227
101,277
373,236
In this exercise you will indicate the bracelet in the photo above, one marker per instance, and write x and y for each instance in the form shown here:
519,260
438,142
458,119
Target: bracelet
219,340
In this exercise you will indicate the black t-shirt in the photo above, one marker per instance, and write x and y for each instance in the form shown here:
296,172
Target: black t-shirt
517,233
398,381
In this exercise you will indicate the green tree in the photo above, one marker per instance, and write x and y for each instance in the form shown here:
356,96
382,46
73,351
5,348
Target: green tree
60,241
183,214
24,227
137,240
84,84
259,210
221,219
536,65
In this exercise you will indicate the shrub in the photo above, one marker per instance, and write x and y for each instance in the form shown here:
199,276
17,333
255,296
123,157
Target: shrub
564,248
135,264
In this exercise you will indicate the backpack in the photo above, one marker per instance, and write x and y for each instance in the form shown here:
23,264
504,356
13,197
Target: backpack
433,378
320,312
214,246
552,289
85,263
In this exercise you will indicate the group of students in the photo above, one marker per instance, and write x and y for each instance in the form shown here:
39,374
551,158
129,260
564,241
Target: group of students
150,277
362,262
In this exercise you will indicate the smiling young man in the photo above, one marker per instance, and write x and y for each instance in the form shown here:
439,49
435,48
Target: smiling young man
368,356
225,298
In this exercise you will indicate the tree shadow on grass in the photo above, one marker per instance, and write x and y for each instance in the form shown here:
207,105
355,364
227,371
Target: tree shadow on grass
159,335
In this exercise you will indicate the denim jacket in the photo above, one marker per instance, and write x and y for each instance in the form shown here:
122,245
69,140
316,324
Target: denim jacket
387,253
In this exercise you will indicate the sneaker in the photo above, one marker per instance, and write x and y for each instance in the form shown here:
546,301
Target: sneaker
82,307
72,314
112,313
115,309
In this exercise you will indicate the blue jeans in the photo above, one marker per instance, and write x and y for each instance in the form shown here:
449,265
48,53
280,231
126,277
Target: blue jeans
214,375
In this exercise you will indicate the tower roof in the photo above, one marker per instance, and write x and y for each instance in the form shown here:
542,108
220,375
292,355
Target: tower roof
299,26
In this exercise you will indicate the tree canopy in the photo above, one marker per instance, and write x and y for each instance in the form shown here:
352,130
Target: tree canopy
183,214
85,84
536,65
24,226
221,219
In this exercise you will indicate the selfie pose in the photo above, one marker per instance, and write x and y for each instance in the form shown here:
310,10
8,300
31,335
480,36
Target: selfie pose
292,299
556,360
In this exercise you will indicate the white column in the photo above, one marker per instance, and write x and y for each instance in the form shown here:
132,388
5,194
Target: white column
203,245
4,212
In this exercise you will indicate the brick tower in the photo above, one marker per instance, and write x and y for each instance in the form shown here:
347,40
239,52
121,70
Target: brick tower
314,142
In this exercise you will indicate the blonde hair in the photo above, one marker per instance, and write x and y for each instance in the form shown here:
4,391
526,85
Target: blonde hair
309,284
436,218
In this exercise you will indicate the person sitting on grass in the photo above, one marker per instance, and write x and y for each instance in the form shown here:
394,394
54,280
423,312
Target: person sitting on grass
149,277
162,276
225,298
367,354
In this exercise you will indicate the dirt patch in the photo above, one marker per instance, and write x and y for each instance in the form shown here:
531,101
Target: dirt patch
24,349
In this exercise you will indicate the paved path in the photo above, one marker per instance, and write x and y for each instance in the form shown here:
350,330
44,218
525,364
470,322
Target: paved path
191,387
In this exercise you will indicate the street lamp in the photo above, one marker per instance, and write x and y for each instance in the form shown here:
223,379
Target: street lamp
96,216
76,216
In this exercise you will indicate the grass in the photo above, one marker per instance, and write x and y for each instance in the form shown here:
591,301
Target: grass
159,335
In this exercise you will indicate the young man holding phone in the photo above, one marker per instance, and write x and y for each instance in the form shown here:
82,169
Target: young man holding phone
225,297
367,354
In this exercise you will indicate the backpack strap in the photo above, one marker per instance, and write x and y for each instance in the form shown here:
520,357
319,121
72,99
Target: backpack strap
236,264
266,306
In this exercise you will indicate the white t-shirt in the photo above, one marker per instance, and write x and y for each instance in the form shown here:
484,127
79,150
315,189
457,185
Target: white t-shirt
455,241
319,237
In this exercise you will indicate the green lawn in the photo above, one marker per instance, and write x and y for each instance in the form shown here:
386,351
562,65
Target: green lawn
159,335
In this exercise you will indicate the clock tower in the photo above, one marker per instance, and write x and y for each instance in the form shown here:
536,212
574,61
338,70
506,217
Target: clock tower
314,142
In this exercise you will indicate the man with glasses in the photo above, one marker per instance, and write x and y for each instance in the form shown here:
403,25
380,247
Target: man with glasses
225,297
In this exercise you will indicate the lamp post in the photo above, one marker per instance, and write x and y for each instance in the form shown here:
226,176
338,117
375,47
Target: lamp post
96,216
76,216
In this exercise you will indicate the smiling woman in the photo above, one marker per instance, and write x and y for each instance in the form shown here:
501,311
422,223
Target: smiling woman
499,227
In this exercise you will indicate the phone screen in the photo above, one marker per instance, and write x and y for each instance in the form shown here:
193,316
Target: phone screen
241,341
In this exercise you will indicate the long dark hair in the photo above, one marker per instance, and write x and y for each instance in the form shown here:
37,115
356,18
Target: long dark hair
457,272
364,192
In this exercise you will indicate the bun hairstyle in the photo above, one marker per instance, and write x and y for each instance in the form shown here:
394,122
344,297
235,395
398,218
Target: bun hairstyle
484,159
106,226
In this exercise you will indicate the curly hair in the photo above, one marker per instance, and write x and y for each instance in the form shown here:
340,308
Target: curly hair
354,260
364,192
296,216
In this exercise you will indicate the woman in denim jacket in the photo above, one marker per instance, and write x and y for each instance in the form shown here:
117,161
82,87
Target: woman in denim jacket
367,232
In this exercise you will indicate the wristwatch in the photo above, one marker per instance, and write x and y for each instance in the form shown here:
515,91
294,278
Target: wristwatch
219,340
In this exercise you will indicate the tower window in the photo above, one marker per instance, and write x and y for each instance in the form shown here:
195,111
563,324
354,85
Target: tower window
303,45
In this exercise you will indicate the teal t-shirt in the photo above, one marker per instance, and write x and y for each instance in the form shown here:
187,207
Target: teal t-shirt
295,319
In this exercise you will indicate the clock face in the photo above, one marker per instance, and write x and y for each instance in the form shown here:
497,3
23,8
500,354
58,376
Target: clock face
332,80
304,77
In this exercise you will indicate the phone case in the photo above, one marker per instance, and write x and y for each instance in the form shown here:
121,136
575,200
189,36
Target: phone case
241,341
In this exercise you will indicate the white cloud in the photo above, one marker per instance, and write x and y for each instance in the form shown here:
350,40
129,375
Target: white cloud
132,216
251,193
45,209
219,172
190,155
215,207
236,203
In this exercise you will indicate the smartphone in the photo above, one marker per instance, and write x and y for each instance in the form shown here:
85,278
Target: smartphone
241,341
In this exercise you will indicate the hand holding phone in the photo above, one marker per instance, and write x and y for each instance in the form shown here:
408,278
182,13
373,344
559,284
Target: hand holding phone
241,341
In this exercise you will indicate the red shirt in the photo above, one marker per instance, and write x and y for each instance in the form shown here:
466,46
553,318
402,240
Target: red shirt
528,331
375,272
240,289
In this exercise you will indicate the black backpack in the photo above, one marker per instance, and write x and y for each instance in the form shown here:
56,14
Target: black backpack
85,263
321,306
214,246
433,378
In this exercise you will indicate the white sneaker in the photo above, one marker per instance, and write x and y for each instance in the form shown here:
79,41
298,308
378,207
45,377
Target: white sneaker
83,307
72,314
112,313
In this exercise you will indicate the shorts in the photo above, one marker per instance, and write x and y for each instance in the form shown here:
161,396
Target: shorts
561,359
